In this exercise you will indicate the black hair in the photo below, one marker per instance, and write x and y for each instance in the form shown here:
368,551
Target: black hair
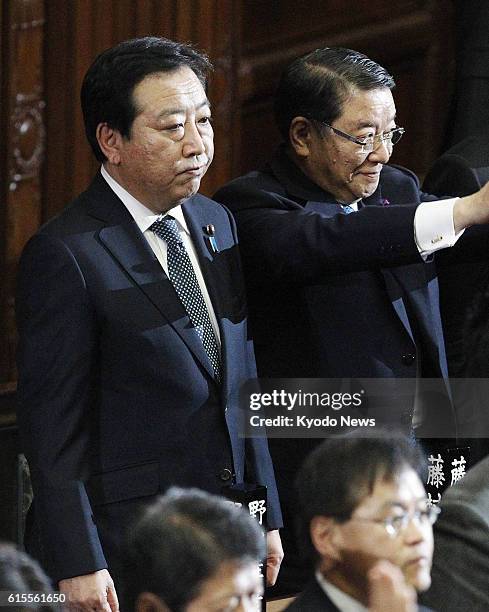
181,540
108,86
342,471
317,84
20,573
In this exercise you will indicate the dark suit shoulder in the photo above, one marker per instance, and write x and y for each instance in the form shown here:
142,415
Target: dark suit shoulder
258,179
258,189
312,599
203,201
201,205
452,175
85,212
394,172
474,149
400,186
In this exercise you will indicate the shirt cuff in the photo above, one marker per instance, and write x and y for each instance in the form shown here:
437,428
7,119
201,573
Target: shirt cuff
433,226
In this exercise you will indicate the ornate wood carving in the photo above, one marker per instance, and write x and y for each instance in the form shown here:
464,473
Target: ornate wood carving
22,123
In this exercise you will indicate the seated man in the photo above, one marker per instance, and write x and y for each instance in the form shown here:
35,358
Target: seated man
362,501
194,552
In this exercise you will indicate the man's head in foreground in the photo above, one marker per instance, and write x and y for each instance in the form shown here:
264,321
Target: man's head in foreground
21,575
194,552
335,110
362,500
148,119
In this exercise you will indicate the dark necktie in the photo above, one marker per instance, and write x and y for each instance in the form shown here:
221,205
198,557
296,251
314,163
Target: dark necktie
182,276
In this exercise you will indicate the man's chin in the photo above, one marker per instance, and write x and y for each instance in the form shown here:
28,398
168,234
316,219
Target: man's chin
189,188
365,189
421,582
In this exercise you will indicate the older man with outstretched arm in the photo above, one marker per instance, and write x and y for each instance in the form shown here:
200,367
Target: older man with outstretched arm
340,251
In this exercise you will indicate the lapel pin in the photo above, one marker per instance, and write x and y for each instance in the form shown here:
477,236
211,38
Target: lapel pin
210,234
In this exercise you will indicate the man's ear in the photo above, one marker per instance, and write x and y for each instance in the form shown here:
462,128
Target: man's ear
149,602
300,132
322,530
109,141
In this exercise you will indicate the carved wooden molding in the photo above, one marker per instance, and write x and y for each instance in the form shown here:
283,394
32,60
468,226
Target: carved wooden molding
27,139
22,152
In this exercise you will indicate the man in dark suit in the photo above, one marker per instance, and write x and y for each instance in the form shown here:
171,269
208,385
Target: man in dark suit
362,501
461,170
349,295
461,559
132,323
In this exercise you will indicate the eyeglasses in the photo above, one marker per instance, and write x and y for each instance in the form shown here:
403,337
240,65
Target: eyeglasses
395,524
370,143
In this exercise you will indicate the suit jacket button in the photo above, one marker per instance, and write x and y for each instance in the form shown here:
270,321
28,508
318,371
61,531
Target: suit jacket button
225,475
408,358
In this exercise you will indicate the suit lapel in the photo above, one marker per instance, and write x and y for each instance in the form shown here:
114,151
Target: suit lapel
393,282
125,242
393,285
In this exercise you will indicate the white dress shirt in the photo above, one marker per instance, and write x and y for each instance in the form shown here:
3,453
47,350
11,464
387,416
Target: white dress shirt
433,226
144,219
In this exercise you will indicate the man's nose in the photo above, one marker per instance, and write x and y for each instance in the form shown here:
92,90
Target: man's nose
416,531
381,153
193,143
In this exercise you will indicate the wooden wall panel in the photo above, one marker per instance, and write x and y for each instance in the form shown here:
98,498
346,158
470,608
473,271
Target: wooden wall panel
279,24
22,151
90,26
412,39
21,155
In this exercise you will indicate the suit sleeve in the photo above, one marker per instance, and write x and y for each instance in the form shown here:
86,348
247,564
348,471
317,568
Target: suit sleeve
57,364
259,466
282,242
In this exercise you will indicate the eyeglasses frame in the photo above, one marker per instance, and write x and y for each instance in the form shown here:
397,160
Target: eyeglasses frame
431,513
362,143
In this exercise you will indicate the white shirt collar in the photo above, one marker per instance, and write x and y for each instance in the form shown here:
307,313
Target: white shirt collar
353,205
143,216
341,600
